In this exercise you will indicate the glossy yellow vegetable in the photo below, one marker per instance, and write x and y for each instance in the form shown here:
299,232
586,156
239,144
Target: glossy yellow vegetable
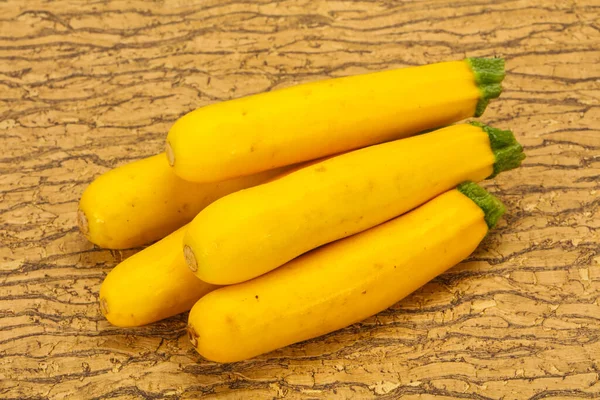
143,201
251,232
343,282
151,285
309,121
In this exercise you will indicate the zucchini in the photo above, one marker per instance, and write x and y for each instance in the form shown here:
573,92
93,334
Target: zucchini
143,201
151,285
253,231
344,282
313,120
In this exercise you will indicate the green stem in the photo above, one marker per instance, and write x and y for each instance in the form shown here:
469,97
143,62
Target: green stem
491,206
507,151
489,73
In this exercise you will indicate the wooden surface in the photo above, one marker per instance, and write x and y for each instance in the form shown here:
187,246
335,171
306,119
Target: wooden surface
85,87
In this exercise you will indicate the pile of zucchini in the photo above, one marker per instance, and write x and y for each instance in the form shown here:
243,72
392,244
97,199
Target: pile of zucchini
287,215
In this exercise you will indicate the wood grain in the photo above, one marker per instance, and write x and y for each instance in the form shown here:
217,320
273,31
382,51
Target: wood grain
87,86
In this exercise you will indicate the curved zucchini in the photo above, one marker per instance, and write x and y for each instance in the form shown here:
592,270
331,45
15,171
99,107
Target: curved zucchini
344,282
313,120
151,285
248,233
143,201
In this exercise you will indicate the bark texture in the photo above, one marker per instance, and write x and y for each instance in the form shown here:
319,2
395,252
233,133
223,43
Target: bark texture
87,86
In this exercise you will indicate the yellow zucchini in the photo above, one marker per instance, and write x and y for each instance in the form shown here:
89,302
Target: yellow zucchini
309,121
143,201
253,231
151,285
344,282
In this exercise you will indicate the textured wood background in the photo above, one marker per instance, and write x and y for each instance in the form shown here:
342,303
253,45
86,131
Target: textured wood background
85,87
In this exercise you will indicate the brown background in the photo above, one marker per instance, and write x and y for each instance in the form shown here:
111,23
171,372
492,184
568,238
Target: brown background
85,87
